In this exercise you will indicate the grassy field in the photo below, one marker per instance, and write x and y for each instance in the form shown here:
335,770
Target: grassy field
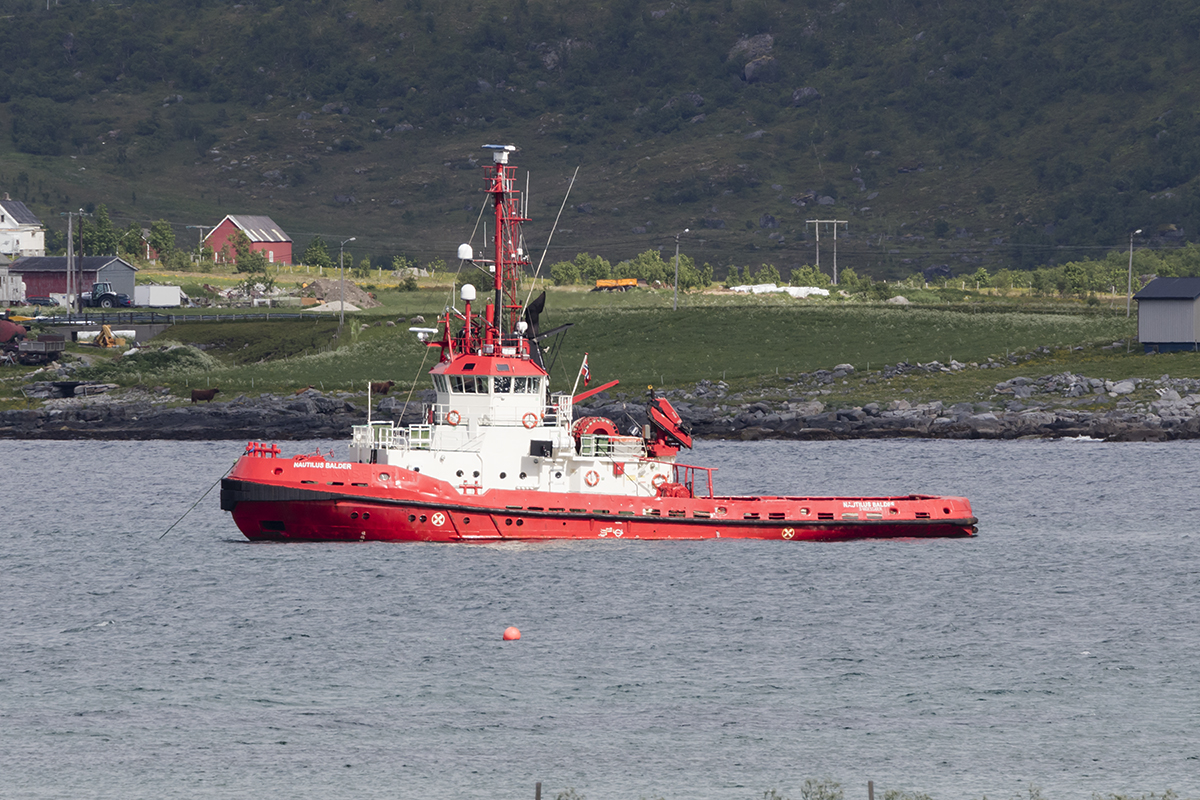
750,342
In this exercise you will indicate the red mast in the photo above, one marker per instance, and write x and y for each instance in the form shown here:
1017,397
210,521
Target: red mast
510,255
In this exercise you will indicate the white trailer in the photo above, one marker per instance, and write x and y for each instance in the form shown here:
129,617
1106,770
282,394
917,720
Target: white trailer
154,296
12,288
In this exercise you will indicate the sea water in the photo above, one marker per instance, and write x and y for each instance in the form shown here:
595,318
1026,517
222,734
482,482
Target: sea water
1058,651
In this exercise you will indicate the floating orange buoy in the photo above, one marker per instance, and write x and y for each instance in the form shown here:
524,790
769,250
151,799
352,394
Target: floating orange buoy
511,634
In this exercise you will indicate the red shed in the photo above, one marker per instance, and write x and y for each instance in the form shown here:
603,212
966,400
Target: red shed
47,275
265,237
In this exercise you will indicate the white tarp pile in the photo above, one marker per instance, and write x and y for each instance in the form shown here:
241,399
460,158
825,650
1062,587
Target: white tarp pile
794,291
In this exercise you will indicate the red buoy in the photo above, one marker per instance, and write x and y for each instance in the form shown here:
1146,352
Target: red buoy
511,634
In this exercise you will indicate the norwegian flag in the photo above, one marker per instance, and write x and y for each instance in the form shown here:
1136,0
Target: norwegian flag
584,371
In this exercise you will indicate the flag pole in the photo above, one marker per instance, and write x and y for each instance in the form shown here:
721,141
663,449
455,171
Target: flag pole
579,374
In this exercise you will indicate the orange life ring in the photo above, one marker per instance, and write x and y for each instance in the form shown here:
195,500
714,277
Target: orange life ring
592,478
453,418
530,420
658,480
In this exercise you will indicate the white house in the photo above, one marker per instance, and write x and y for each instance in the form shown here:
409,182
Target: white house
21,233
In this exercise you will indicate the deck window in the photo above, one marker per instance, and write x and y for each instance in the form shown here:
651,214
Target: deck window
502,384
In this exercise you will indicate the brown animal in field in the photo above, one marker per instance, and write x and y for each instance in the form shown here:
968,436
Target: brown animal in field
381,387
305,389
206,395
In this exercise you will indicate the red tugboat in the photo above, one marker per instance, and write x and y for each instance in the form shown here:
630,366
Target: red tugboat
498,457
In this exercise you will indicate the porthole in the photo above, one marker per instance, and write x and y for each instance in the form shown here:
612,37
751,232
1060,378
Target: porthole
522,476
366,515
383,476
503,475
411,518
416,469
459,473
422,518
558,474
466,520
278,471
353,515
475,474
804,512
520,522
508,522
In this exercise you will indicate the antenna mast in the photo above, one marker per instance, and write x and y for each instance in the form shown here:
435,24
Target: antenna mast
510,255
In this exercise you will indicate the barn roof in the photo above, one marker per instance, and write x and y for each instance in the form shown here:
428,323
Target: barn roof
1170,289
59,263
18,212
257,228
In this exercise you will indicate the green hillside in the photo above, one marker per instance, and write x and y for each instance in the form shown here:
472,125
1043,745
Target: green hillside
967,134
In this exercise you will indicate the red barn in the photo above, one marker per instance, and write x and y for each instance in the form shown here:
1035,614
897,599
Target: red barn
265,237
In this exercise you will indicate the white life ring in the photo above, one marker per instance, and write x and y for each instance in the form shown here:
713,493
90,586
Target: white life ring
592,478
453,418
658,480
530,420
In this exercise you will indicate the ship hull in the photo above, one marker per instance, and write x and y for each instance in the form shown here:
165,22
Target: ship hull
268,503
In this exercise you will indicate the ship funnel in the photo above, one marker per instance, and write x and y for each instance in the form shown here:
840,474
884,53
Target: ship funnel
465,253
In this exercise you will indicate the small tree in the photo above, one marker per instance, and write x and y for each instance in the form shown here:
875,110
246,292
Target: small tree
246,259
564,273
162,238
316,254
767,273
810,276
401,263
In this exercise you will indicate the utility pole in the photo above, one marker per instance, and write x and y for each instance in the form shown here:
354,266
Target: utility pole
342,271
74,280
200,244
818,223
1129,287
675,302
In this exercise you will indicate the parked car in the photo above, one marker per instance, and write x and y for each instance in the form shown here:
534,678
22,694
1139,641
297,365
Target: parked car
40,301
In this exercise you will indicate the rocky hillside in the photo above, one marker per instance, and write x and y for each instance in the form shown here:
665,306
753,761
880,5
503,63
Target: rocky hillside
961,134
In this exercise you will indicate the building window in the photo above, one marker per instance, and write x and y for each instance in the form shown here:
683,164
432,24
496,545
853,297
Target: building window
271,256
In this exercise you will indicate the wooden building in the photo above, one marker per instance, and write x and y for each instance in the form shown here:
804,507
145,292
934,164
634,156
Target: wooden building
21,233
47,275
265,237
1169,315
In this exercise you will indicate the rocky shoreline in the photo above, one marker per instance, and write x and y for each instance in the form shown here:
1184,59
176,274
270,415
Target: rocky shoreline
1051,406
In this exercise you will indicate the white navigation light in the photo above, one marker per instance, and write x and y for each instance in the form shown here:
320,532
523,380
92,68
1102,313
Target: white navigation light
465,253
522,326
468,293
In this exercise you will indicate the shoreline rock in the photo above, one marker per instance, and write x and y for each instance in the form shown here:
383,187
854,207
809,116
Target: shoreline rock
1049,407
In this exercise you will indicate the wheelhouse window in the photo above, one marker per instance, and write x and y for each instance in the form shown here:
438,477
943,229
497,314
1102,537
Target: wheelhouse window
526,385
502,384
468,384
440,383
